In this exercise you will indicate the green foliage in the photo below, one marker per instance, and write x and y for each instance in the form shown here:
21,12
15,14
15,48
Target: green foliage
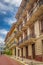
8,52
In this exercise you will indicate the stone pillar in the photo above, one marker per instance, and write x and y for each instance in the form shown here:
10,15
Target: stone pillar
12,51
38,49
28,16
23,35
19,38
28,31
20,52
36,27
16,51
23,22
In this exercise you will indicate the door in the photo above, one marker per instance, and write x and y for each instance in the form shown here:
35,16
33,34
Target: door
42,26
42,49
21,52
18,52
15,51
26,51
33,51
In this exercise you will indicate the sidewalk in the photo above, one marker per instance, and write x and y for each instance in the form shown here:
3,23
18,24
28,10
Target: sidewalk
26,61
6,60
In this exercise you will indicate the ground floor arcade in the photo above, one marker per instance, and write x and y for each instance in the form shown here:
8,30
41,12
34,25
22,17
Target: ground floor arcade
30,51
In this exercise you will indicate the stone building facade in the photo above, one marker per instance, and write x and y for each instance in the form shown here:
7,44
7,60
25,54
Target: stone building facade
29,34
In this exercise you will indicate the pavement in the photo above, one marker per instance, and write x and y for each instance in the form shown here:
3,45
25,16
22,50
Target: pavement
5,60
26,61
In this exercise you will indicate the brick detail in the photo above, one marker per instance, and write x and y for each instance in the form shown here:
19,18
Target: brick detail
38,57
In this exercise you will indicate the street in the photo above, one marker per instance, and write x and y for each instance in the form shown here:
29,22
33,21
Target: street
5,60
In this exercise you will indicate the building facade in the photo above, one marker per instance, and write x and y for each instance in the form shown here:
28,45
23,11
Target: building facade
29,31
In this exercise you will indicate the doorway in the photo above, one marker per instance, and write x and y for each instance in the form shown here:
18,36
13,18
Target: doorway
15,51
42,50
18,52
33,51
21,52
26,51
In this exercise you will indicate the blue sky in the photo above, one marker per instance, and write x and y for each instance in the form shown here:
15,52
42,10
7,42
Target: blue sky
8,10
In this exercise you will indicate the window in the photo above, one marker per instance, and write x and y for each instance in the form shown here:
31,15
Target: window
42,46
41,26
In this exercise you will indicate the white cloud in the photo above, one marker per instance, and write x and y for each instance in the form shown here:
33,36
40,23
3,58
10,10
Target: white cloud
10,21
13,2
3,31
4,7
1,39
3,12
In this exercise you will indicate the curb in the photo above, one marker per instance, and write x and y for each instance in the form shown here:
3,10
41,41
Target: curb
18,60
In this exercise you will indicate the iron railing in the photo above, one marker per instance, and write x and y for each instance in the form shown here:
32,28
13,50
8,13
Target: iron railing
26,38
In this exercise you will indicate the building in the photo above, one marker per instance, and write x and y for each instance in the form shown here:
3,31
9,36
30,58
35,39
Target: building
10,39
2,48
29,31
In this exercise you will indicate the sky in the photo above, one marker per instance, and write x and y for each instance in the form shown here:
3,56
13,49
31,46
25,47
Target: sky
8,10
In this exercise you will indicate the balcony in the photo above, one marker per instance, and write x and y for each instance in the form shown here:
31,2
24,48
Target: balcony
19,33
34,9
30,4
12,45
30,38
35,14
24,12
41,24
10,38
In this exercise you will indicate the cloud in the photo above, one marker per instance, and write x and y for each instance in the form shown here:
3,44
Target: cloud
1,39
10,21
8,7
13,2
3,12
3,33
4,7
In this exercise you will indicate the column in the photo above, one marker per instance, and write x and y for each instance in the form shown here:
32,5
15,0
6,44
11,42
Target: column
36,27
38,49
30,51
12,51
28,31
24,52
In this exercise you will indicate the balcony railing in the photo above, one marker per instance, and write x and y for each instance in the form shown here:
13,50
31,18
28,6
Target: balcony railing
26,38
33,10
38,4
13,44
